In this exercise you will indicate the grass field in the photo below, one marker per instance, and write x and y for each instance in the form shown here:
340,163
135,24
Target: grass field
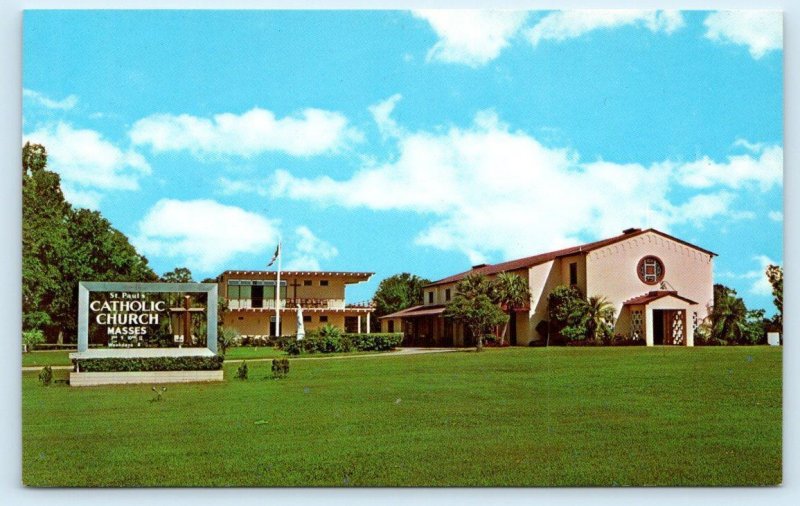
509,417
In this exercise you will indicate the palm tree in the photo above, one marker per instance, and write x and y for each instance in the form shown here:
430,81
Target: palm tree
599,314
511,292
729,315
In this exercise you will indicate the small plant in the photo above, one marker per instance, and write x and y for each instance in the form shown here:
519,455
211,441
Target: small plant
228,338
280,367
46,375
30,338
241,372
159,394
293,347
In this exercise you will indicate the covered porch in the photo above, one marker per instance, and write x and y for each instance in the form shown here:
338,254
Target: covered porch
425,326
660,318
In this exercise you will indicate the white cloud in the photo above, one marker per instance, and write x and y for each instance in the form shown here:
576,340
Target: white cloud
489,189
760,31
775,215
563,25
312,132
308,250
87,162
471,37
382,114
87,199
226,186
766,170
65,104
203,234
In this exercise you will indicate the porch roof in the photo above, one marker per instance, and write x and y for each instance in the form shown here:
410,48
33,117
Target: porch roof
655,295
415,311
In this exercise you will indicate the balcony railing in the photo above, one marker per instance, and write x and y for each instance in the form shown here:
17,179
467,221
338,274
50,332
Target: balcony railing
287,303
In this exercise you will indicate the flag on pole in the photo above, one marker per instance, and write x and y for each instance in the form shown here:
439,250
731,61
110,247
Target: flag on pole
275,256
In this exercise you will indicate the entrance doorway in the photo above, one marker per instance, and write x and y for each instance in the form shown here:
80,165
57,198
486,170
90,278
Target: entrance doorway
668,326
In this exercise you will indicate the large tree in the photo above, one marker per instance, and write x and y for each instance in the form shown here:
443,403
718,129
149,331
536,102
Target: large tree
62,246
473,307
398,292
731,321
511,292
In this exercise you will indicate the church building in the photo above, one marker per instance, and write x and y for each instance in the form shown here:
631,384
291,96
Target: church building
661,288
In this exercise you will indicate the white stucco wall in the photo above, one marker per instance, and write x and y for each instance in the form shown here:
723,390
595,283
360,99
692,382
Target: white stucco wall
542,279
611,272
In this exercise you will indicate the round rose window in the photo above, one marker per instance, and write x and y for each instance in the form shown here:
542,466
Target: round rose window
650,270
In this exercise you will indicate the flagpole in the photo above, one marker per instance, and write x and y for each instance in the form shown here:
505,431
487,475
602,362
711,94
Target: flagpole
278,295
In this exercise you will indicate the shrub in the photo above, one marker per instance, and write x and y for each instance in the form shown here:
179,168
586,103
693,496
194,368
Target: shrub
194,363
46,375
241,371
31,338
292,347
228,338
280,367
375,342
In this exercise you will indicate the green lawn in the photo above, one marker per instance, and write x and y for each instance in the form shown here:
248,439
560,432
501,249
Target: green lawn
43,358
522,417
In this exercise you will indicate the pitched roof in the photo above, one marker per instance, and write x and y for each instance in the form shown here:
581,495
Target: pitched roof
416,311
527,262
655,295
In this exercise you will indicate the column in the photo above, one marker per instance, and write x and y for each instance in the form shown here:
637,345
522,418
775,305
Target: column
648,326
369,315
688,325
358,318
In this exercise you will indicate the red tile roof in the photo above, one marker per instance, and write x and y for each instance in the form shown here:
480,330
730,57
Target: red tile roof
527,262
651,296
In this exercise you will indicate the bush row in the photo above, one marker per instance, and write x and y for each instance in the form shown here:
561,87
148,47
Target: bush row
212,363
341,343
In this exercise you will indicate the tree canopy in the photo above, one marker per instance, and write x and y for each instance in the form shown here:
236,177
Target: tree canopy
473,307
398,292
62,246
732,322
511,292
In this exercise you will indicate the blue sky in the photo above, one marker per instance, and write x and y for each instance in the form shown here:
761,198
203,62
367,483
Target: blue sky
394,141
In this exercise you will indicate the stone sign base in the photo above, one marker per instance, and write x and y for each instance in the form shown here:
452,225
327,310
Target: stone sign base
90,379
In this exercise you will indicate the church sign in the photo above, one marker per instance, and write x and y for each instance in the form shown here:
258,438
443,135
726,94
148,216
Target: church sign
126,312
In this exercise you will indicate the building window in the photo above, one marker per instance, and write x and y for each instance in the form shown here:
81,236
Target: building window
306,282
430,297
323,282
323,318
447,294
306,317
269,290
650,270
573,273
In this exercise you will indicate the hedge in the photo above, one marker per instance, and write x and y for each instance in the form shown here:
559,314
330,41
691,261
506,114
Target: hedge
382,341
343,343
212,363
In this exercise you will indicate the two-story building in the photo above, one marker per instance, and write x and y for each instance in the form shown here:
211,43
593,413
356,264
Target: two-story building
661,288
249,298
